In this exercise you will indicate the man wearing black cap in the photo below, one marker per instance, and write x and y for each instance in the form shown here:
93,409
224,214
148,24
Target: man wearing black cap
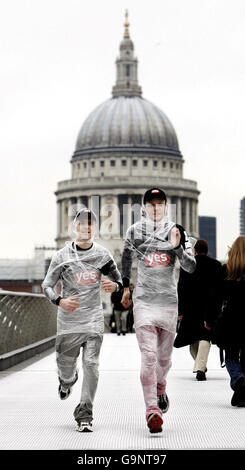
79,267
158,243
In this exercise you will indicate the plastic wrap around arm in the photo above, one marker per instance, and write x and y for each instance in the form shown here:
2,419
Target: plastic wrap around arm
110,269
127,257
51,279
185,255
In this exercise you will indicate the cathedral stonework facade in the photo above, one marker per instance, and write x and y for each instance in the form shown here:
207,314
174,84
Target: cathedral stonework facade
125,146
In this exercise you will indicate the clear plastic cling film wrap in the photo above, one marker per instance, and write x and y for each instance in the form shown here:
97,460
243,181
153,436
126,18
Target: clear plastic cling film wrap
80,273
155,295
79,267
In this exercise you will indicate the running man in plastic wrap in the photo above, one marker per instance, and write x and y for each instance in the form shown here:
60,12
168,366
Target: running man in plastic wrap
79,267
158,243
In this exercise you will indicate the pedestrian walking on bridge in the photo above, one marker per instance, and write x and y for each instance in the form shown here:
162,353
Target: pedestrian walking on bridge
194,291
226,319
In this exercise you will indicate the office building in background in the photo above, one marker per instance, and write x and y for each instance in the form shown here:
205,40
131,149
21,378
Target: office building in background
207,230
242,216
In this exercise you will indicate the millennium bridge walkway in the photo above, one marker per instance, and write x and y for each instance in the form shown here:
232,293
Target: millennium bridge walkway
34,418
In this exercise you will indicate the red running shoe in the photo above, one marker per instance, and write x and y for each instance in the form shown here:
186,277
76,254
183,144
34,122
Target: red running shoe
154,422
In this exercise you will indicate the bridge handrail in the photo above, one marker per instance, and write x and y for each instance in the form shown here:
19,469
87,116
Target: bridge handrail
30,294
25,319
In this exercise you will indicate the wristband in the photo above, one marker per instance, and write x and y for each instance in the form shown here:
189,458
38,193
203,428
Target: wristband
57,302
125,282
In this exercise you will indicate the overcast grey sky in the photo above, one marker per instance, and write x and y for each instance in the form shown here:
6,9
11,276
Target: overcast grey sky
57,61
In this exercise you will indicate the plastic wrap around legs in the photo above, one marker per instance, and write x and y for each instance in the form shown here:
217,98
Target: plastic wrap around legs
156,346
162,317
68,348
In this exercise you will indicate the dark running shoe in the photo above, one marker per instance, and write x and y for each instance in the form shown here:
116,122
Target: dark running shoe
154,422
163,402
65,392
238,398
201,375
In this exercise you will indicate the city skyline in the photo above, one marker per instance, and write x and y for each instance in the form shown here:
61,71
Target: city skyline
51,83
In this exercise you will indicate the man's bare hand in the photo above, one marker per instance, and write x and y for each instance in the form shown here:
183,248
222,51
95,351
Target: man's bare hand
207,326
108,286
69,304
175,237
180,318
125,298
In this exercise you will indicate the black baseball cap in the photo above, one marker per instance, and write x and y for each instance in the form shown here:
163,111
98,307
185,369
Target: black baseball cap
154,193
87,215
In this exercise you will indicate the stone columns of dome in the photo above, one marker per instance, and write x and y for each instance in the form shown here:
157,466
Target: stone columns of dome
183,212
129,214
136,205
110,217
62,218
82,202
89,202
197,224
125,213
169,202
59,218
190,231
179,211
193,228
72,207
65,219
116,202
187,215
195,218
94,203
170,208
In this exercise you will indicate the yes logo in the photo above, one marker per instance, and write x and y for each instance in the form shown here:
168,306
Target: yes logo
85,277
157,258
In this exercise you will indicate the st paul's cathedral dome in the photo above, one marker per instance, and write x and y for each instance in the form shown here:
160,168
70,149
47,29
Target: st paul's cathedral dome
125,146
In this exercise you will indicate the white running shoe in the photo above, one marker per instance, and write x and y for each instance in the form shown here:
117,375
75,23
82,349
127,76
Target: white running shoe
84,427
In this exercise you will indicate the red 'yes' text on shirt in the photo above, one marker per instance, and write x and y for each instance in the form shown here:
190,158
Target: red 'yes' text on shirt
85,277
157,258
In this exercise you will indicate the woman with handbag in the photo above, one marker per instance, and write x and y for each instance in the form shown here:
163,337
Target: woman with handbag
228,327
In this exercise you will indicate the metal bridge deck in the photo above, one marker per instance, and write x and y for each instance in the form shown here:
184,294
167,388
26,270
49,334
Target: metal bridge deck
200,415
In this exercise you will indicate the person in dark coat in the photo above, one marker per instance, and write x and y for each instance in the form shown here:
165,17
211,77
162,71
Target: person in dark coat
120,312
130,317
226,319
194,291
